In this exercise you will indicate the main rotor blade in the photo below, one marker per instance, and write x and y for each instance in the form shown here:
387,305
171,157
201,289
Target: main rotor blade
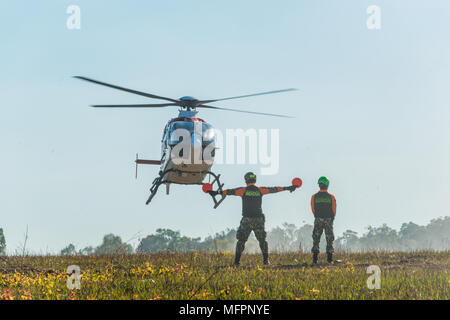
158,105
248,95
236,110
149,95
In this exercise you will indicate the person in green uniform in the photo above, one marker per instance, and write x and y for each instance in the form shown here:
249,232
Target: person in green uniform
253,218
323,206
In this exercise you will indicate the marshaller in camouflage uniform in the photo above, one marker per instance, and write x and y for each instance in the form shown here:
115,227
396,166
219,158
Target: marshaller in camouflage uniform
323,206
247,225
253,218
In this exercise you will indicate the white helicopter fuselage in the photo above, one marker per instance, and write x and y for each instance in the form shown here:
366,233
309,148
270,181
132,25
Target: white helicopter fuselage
190,167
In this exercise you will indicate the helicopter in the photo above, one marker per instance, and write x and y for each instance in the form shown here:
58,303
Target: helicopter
178,166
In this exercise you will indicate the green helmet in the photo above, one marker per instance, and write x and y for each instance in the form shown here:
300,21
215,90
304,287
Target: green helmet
324,181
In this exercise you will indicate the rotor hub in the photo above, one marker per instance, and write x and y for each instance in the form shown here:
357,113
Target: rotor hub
188,102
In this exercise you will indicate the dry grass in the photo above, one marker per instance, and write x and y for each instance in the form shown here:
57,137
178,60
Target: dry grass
419,275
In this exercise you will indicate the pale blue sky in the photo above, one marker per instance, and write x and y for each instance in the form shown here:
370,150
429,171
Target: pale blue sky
371,113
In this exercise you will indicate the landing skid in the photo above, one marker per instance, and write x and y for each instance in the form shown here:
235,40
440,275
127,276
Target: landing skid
160,180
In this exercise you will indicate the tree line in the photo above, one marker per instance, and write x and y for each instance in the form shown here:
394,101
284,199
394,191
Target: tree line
288,237
2,243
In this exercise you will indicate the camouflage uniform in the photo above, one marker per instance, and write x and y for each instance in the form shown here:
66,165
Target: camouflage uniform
319,225
323,205
252,216
247,225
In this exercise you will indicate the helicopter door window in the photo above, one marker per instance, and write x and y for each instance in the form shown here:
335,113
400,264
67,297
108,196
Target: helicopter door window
164,133
164,141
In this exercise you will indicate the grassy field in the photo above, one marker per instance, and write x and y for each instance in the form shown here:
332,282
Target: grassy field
419,275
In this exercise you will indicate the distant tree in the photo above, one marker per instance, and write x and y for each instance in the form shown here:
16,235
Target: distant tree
87,251
438,233
222,241
113,244
166,239
304,238
2,243
413,236
380,238
69,250
290,238
152,243
348,242
278,239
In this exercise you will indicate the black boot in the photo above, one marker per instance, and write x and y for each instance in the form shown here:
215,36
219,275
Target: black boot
265,252
315,257
240,245
329,257
266,258
237,259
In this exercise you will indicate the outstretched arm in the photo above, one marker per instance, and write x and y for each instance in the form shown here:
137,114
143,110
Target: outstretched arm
234,192
267,190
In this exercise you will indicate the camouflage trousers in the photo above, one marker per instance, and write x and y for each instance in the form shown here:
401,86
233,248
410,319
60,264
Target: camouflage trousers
321,224
246,227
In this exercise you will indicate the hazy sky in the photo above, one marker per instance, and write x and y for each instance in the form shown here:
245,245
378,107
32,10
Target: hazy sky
371,113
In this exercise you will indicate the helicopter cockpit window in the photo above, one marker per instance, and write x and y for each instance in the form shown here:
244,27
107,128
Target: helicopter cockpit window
208,133
184,125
